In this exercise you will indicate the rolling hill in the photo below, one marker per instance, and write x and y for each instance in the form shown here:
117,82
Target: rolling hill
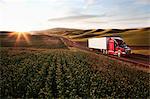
35,41
133,37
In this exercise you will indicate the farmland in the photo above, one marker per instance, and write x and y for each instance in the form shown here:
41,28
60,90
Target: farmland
60,73
35,41
53,65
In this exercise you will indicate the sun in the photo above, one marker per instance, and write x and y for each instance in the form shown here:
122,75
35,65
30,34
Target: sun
20,36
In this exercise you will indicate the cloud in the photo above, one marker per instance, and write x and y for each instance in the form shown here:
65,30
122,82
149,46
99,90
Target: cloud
97,22
146,2
139,19
136,18
89,3
2,1
75,18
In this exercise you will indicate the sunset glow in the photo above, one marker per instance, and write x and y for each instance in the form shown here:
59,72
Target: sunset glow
20,36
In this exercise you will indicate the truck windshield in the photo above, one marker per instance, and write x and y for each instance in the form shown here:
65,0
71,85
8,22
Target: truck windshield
120,43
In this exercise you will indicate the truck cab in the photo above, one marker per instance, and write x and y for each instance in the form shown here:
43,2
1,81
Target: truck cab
117,46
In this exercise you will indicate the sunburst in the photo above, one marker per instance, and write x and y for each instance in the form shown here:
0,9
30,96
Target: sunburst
19,36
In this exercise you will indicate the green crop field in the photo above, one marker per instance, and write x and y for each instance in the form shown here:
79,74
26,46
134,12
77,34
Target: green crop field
63,73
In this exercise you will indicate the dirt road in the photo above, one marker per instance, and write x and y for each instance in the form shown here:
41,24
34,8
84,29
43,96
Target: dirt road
139,60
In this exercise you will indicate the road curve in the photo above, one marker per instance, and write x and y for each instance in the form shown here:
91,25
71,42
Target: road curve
143,64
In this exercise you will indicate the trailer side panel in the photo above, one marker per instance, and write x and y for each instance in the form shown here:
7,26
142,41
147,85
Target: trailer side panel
97,43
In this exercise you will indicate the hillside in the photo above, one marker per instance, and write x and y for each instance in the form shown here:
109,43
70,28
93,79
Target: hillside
60,31
133,37
35,41
6,32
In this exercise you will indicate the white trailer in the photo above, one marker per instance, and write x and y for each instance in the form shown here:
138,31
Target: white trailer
98,43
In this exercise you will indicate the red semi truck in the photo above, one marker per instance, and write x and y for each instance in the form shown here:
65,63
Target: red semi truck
109,45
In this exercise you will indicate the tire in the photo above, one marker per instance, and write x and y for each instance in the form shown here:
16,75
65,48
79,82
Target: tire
104,52
119,53
91,49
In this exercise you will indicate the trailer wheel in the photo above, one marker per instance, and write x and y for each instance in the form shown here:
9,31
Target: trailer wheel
91,49
103,51
106,52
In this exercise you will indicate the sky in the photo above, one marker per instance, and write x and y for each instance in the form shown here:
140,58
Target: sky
28,15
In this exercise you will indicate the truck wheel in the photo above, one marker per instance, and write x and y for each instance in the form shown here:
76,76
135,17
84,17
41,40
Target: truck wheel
106,52
119,53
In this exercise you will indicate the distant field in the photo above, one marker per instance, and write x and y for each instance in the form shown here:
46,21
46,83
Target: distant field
35,41
61,73
144,52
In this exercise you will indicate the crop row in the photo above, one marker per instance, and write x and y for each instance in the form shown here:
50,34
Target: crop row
65,73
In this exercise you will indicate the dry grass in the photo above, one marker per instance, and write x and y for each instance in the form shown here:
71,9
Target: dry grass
142,51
